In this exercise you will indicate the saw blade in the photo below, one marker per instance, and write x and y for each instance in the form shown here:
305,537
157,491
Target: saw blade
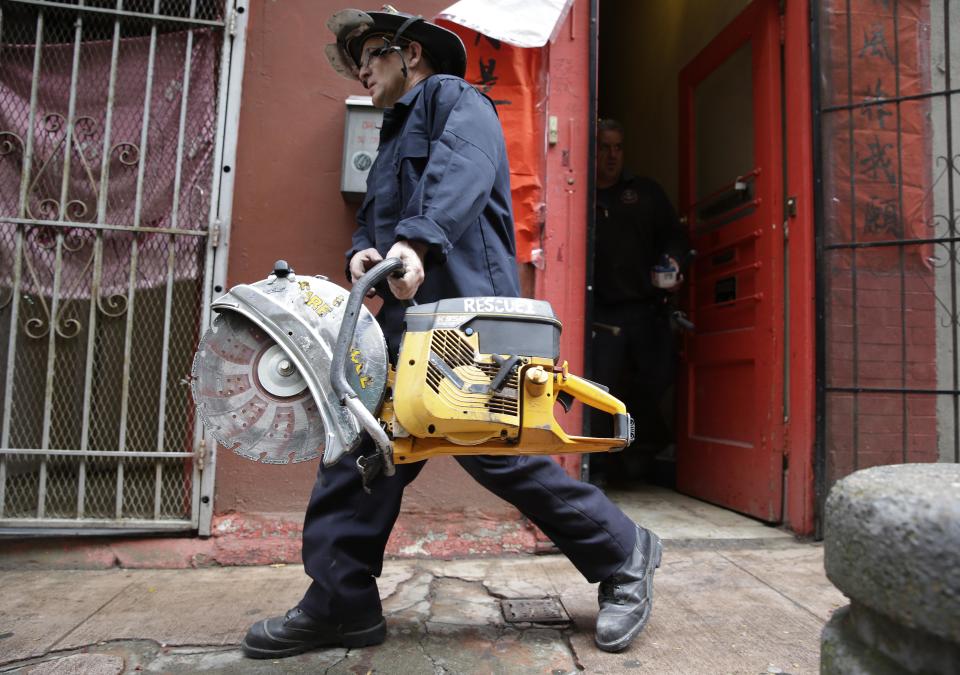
249,398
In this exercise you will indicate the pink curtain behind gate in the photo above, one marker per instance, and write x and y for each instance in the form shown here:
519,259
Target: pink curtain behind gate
43,201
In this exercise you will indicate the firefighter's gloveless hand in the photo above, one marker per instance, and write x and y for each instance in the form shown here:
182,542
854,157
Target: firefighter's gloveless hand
670,282
411,253
361,262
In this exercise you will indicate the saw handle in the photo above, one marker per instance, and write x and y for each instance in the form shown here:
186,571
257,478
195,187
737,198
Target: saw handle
338,378
348,326
597,396
372,289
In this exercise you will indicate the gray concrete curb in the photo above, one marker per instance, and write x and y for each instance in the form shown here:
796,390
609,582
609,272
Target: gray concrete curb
892,545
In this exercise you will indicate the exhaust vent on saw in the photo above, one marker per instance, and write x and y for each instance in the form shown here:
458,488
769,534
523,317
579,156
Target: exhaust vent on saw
460,381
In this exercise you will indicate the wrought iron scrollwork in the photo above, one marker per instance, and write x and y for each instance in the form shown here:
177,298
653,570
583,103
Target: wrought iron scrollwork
114,305
126,153
945,253
938,220
44,202
39,326
66,328
8,143
78,209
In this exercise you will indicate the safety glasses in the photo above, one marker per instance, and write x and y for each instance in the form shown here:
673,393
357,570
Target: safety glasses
370,53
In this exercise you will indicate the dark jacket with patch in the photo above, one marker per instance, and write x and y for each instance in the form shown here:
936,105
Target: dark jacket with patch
636,226
441,177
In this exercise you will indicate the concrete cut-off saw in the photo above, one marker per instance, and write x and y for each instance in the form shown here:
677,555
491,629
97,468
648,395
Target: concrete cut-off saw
295,367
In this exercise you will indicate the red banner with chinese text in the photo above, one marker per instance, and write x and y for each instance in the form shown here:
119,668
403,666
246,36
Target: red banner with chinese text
879,153
885,166
511,77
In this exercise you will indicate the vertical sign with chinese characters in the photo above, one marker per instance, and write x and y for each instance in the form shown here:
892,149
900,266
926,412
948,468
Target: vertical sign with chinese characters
876,54
880,303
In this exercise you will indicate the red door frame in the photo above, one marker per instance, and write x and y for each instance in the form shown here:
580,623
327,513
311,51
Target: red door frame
562,280
799,424
799,430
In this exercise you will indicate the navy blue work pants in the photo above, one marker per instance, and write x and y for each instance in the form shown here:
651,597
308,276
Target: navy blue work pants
634,354
345,530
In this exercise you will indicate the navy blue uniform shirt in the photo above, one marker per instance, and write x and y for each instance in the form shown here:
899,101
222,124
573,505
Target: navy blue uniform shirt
636,225
441,177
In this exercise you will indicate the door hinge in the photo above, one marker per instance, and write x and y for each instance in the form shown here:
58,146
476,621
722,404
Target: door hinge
202,454
786,230
215,233
232,23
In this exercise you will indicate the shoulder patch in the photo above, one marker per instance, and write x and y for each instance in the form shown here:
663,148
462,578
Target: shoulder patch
629,196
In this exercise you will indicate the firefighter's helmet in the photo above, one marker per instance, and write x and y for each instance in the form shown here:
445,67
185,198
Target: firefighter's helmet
353,27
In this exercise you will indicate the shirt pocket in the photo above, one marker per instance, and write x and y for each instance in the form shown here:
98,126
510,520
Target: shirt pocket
413,153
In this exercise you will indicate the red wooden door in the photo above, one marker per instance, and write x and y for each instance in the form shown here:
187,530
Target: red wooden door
730,448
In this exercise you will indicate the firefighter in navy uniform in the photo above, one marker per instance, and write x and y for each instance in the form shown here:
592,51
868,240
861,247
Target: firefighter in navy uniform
439,198
638,241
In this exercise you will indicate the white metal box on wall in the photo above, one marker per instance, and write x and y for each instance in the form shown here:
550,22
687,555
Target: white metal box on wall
361,136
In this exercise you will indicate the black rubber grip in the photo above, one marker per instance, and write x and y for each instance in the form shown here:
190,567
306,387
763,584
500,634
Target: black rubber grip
379,272
624,427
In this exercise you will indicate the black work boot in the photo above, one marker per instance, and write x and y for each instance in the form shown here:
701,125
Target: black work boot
626,596
298,632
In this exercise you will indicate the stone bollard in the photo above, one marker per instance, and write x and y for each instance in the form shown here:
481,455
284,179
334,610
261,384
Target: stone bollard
892,545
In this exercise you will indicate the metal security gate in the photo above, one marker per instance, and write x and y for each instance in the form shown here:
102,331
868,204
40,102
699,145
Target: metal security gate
112,193
885,100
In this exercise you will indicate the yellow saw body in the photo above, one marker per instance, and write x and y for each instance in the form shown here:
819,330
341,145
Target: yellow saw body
293,369
443,403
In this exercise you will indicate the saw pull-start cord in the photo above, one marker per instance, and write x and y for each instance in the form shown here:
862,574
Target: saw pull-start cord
341,387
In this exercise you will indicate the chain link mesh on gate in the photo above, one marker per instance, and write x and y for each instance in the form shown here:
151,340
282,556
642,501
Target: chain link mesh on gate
108,124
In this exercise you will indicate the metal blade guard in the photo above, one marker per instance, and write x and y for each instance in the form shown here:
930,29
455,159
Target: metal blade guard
262,373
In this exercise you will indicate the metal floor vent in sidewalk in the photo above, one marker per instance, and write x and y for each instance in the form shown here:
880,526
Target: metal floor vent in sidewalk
534,610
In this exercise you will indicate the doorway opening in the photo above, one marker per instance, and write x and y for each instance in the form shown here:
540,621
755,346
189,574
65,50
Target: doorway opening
695,88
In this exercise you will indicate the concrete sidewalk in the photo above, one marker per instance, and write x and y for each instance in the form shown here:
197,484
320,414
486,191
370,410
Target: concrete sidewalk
737,606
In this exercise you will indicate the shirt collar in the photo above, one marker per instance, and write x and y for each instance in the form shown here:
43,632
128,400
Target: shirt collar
392,117
410,97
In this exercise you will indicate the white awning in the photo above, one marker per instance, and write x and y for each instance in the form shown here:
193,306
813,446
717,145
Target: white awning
522,23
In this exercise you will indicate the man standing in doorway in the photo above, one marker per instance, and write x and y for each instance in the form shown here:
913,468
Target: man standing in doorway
638,248
438,198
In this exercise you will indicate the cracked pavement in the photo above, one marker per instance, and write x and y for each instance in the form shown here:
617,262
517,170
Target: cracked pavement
758,608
